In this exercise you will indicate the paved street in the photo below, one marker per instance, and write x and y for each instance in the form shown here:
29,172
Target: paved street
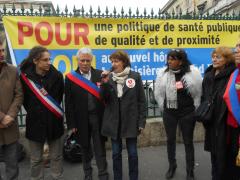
153,165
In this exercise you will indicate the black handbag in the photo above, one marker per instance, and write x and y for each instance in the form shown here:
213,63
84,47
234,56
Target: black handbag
72,150
204,112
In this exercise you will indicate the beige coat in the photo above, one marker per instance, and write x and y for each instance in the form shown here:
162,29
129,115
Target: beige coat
11,98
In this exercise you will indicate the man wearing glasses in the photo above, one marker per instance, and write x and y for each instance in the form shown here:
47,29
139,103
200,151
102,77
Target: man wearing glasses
84,110
11,97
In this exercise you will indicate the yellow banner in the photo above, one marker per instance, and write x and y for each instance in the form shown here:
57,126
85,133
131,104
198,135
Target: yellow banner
147,41
72,33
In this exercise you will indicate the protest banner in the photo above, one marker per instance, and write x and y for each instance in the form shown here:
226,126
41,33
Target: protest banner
146,40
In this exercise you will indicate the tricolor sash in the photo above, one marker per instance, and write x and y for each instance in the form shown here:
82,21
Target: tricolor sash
231,98
43,96
84,83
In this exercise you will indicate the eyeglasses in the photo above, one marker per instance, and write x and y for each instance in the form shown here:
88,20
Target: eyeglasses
176,50
85,60
218,57
45,60
235,50
2,50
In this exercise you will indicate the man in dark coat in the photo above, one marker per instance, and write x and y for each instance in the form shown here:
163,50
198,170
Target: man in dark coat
84,111
42,124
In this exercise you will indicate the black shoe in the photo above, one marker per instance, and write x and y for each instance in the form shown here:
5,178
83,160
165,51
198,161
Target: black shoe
88,177
190,175
171,171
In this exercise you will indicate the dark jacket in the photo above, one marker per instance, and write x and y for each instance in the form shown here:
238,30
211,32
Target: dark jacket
123,117
76,107
42,124
215,134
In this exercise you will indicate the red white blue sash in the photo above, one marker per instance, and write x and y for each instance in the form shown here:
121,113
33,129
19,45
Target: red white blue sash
231,98
84,83
42,95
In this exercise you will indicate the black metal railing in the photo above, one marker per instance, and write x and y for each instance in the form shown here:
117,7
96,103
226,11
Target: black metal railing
83,13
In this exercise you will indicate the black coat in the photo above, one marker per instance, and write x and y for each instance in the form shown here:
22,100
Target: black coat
76,107
215,133
123,117
42,124
233,147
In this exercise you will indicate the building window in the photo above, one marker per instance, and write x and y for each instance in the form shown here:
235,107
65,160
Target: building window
189,3
215,2
177,9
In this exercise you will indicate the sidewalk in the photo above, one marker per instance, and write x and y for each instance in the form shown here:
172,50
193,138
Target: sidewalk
152,165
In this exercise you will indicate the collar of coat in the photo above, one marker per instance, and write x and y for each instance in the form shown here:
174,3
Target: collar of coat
125,88
3,64
31,74
94,75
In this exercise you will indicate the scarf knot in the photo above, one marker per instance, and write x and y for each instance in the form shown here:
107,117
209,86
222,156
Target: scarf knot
171,91
120,78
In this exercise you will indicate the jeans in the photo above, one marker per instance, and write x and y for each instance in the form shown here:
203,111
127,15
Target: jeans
186,124
131,144
9,152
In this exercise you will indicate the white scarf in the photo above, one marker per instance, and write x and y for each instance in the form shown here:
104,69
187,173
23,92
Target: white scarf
171,91
120,78
192,80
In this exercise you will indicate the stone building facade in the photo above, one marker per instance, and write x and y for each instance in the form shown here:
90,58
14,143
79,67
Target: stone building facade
202,6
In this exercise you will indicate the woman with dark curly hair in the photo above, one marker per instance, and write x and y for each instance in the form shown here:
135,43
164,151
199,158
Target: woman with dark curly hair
178,92
43,92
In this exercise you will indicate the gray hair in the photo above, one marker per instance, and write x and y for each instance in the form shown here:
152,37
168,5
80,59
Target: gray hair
84,50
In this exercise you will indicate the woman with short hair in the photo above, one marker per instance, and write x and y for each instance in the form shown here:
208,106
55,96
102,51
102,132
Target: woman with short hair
125,111
214,84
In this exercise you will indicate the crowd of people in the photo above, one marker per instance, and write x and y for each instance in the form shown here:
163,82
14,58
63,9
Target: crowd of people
97,106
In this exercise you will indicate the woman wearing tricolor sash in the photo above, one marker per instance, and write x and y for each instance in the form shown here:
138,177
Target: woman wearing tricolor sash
214,84
232,99
43,88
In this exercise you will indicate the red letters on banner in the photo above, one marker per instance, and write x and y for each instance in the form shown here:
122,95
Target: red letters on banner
27,29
